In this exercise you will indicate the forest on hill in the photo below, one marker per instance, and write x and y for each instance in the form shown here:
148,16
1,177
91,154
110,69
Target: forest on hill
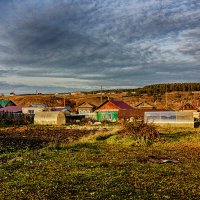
169,87
157,88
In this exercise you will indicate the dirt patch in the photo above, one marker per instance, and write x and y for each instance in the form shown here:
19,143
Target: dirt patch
16,138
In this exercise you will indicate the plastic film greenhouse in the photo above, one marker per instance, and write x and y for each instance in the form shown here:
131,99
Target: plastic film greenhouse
170,118
49,118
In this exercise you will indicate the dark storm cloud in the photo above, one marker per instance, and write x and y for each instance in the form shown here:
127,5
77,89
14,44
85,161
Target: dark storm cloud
113,42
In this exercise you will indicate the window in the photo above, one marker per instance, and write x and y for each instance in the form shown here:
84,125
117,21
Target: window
30,111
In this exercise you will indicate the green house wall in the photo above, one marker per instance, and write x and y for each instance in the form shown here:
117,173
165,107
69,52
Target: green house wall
107,116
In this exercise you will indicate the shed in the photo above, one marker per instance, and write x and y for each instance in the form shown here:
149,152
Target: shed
49,118
113,111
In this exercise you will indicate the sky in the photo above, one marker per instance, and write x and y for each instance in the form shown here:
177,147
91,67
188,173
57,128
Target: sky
71,45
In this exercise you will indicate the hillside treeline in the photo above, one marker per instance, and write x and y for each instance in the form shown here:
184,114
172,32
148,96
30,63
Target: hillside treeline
156,89
169,87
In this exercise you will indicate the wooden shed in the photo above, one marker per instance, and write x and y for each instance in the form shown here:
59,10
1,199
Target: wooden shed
49,118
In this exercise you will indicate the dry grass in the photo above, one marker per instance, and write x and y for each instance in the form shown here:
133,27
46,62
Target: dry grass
103,166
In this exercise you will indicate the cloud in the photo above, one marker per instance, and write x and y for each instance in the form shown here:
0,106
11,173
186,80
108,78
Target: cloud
190,44
114,42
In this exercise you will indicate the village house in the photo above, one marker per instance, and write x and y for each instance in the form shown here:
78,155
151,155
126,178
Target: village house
113,111
66,110
33,109
144,105
85,108
11,109
12,94
140,108
188,107
5,103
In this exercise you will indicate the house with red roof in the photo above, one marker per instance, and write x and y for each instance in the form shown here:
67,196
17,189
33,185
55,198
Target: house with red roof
113,111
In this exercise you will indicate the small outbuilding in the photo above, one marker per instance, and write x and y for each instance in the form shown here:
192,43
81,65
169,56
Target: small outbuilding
49,118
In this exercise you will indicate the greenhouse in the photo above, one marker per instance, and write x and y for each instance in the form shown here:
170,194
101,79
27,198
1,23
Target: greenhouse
170,118
49,118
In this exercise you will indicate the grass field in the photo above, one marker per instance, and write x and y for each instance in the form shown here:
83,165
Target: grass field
101,166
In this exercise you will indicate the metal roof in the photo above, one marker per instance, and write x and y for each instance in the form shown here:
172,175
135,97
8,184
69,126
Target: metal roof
113,104
13,109
4,102
121,104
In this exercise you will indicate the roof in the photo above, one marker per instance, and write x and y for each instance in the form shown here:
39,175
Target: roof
144,105
86,105
66,110
121,104
4,102
114,105
188,106
38,105
13,109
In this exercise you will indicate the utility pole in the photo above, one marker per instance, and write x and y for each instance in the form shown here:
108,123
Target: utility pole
101,95
166,98
64,101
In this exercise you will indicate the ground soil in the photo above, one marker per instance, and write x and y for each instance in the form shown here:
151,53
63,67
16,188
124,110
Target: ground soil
16,138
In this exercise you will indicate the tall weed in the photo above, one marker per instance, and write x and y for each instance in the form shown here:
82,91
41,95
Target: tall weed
140,130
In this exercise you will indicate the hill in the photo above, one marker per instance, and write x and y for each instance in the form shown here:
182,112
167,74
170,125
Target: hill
160,95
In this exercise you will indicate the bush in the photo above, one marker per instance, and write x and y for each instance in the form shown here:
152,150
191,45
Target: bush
141,130
8,119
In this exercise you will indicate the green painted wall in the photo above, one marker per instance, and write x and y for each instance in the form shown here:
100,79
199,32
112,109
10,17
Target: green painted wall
107,116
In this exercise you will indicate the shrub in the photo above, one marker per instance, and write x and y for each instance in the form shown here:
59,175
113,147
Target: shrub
141,130
7,119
